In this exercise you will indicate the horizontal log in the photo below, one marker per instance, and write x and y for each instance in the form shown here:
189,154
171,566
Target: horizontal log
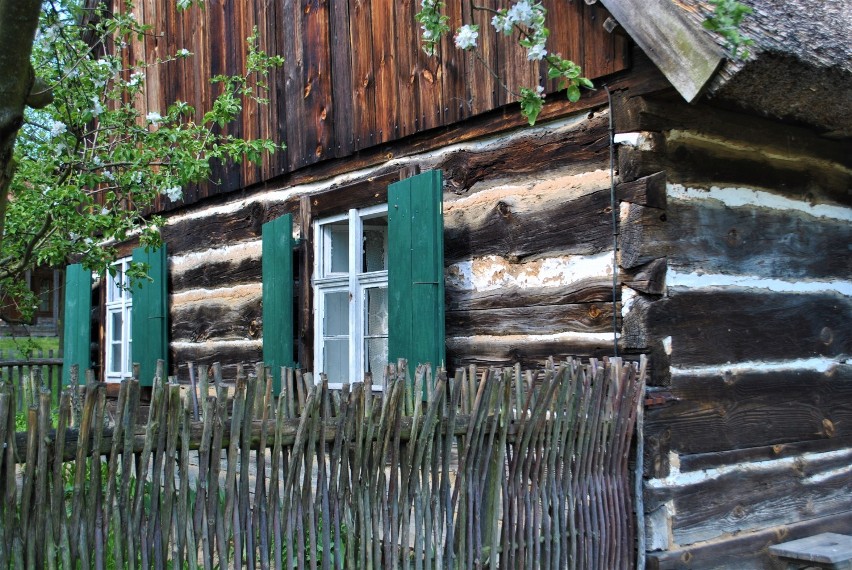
753,409
664,112
216,229
229,354
217,274
528,351
716,459
756,496
649,278
709,236
530,227
716,327
582,149
689,158
540,319
584,291
202,321
747,551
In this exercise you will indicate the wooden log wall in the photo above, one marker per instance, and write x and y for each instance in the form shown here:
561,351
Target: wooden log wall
355,75
747,432
528,250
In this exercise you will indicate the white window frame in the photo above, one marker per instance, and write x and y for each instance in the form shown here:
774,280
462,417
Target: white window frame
354,282
119,299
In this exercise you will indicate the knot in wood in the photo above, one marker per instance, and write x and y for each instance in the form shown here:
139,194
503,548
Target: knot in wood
503,209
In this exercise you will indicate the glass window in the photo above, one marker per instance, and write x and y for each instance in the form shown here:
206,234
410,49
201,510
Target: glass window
118,324
352,305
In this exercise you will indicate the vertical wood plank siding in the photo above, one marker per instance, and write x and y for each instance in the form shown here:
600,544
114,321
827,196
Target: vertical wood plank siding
355,75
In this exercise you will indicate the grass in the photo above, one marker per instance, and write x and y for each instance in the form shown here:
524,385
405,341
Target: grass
28,344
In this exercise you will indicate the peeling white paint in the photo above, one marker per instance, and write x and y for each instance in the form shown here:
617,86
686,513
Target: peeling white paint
667,345
628,298
224,295
229,253
677,478
640,139
696,280
533,338
831,474
818,364
495,272
736,197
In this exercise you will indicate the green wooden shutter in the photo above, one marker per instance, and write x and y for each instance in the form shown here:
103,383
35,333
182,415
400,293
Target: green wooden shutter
416,270
277,261
149,314
78,324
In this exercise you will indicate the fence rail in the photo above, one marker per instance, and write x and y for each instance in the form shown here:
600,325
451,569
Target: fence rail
492,468
28,371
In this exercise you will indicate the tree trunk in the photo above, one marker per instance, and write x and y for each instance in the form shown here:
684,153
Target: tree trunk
18,24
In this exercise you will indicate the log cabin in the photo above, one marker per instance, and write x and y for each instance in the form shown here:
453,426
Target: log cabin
694,207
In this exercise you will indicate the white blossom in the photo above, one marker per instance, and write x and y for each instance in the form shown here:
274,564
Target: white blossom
136,78
173,193
521,13
536,52
183,52
96,161
466,37
57,128
108,175
136,177
97,108
154,118
502,24
184,4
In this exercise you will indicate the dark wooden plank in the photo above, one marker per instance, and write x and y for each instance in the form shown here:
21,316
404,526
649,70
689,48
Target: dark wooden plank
708,236
541,319
341,78
363,73
755,496
649,278
747,551
385,70
718,327
605,53
754,409
568,35
294,84
453,70
204,320
316,79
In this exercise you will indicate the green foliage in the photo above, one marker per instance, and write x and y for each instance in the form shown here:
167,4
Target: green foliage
726,21
90,164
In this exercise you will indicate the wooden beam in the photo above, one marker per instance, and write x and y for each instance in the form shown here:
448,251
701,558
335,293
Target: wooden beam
680,49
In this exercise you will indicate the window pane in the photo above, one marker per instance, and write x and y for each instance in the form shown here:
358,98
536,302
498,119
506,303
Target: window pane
377,358
375,244
336,360
338,244
336,320
115,357
114,291
116,326
376,307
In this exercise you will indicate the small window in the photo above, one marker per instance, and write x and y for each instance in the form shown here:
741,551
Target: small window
118,326
351,296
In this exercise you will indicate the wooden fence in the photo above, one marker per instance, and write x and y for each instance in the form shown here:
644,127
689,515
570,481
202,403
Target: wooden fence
28,371
489,469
